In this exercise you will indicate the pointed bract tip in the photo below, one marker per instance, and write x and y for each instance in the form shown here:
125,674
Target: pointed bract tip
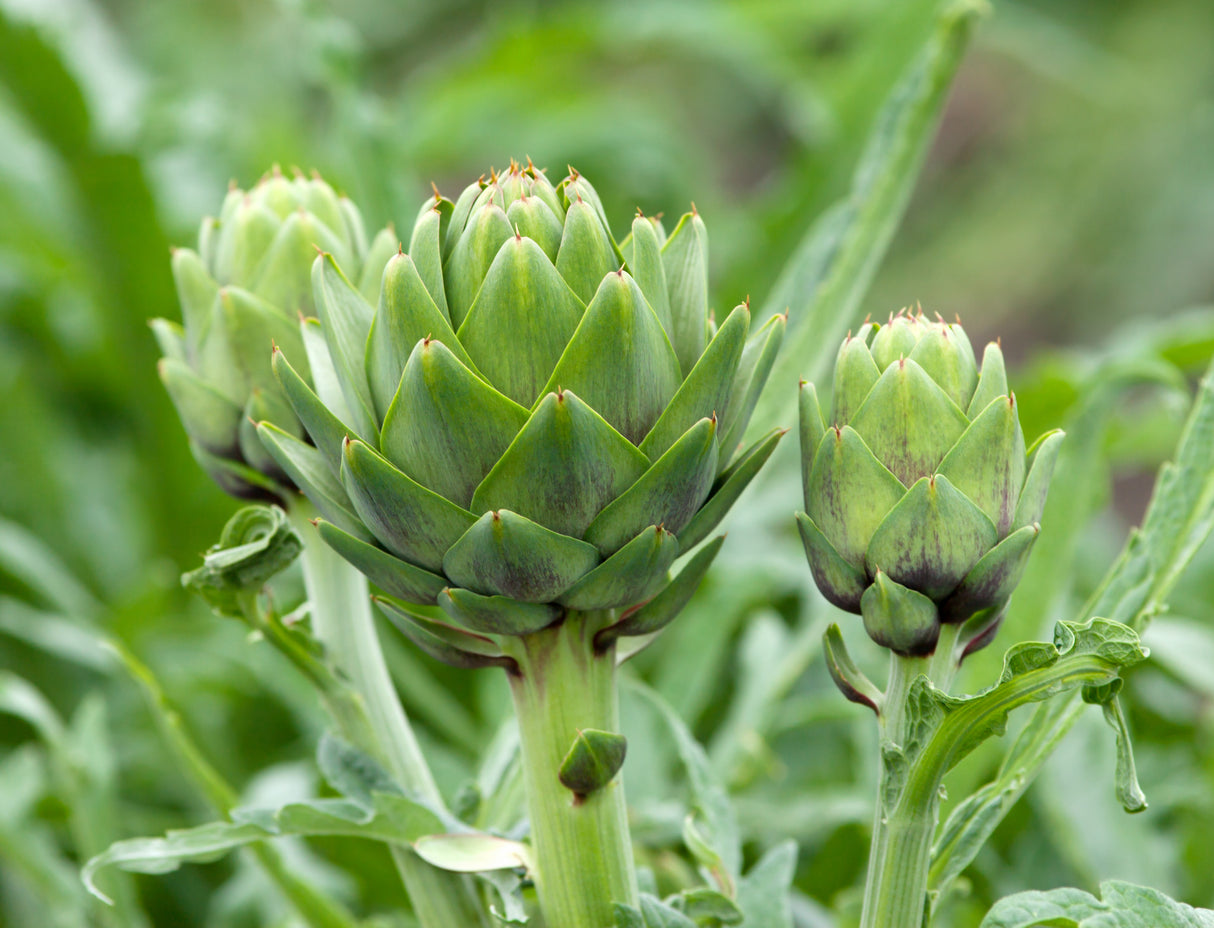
315,522
620,273
232,185
497,515
320,251
437,196
694,211
276,169
298,172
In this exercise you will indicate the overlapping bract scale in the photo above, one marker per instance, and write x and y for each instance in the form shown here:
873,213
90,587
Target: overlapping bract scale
527,417
921,504
242,291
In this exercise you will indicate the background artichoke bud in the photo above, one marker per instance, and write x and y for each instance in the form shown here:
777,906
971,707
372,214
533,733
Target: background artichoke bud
532,419
920,498
242,291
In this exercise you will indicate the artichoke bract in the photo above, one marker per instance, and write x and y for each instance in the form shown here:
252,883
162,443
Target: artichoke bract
921,501
532,419
242,291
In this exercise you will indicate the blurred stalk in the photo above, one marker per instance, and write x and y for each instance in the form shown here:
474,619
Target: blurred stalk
313,908
343,624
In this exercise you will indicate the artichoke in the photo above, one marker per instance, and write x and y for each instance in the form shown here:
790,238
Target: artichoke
242,291
921,503
533,419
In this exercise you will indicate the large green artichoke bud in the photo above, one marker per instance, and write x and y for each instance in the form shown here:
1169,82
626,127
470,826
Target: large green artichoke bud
533,419
242,291
921,503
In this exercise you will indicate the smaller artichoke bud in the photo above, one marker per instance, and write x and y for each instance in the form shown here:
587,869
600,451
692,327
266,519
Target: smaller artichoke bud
921,502
243,291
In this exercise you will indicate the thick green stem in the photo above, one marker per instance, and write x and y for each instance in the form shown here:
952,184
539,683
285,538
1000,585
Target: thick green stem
895,891
343,623
583,852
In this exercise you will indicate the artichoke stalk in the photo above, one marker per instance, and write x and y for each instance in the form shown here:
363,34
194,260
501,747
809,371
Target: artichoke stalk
529,428
921,502
243,288
921,508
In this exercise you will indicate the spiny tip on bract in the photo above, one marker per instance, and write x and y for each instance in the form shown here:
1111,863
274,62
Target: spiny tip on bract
437,196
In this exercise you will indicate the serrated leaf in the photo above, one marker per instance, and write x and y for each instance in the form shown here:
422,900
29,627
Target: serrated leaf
1121,904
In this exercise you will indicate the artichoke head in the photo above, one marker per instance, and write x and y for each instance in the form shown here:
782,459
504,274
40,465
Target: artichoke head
532,418
241,291
921,501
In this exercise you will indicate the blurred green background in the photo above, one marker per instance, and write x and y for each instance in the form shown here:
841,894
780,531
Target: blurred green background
1067,205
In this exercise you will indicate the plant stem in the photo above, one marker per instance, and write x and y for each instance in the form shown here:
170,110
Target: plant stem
895,892
583,851
343,623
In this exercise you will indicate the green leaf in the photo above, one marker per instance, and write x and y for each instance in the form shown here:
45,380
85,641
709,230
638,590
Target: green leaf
663,608
446,427
849,678
763,893
474,250
944,352
446,643
282,278
252,328
1121,904
991,581
426,252
472,853
704,905
810,427
716,820
593,761
351,772
497,615
645,263
209,417
257,543
328,433
908,422
849,493
406,315
412,522
987,464
728,487
533,218
521,321
1041,462
394,819
392,575
943,729
565,465
705,392
196,292
346,321
685,260
383,247
824,283
669,493
753,369
619,359
632,575
841,582
587,254
992,381
509,555
898,618
931,539
307,469
856,373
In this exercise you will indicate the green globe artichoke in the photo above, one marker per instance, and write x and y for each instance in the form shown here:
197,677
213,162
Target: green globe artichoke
533,419
921,503
242,291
